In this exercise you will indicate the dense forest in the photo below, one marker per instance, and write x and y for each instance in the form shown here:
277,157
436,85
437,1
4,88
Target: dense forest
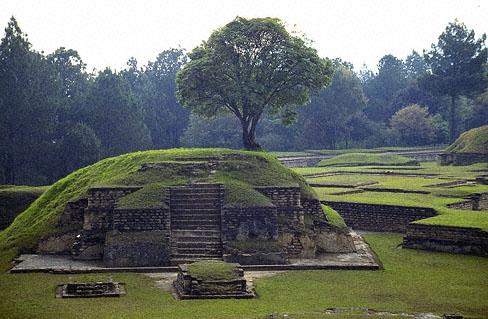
57,116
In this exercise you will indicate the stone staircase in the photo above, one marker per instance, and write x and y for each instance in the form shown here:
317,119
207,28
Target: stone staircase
195,222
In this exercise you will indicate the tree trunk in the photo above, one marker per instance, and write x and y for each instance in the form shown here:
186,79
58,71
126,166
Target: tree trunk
249,137
452,120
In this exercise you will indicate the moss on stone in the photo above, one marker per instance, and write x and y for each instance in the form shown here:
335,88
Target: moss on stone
213,270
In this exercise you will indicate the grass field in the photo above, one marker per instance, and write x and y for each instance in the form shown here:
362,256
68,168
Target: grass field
365,159
428,176
413,281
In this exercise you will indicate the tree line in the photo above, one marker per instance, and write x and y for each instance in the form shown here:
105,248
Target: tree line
56,116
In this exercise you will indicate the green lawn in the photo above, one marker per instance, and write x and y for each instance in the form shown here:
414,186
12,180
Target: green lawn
365,159
413,281
438,198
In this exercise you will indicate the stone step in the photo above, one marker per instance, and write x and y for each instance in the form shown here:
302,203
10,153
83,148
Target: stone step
198,251
202,194
196,256
197,227
192,221
200,244
196,233
215,191
197,216
196,199
194,205
196,239
194,210
177,260
199,185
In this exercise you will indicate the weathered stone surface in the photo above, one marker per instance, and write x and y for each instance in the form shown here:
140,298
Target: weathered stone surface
462,240
58,244
249,223
378,217
189,287
136,249
462,158
334,242
74,212
477,201
257,258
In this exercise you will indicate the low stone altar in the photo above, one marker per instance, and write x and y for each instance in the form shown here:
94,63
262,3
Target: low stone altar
90,290
211,279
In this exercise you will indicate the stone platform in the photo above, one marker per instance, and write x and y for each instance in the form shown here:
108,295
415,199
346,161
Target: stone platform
362,259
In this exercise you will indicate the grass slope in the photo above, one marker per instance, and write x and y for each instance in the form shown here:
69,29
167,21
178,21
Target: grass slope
239,175
413,281
472,141
365,159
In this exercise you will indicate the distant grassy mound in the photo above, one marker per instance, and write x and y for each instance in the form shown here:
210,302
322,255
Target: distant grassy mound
15,199
239,171
366,159
472,141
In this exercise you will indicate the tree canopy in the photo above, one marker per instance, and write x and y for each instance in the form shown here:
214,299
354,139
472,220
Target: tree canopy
249,67
457,64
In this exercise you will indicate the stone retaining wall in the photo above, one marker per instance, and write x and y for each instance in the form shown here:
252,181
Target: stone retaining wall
300,161
249,223
462,158
282,196
141,219
107,197
377,217
474,202
473,241
136,249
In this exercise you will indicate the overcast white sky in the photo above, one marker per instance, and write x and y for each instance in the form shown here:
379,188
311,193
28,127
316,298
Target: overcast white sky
108,32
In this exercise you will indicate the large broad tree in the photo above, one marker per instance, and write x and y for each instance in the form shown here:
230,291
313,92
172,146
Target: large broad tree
457,64
250,67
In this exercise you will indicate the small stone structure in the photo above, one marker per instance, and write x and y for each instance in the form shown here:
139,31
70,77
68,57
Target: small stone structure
478,201
463,240
90,290
462,158
379,217
189,287
196,225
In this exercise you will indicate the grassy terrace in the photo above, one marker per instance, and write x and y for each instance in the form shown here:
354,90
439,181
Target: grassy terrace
364,159
429,174
413,281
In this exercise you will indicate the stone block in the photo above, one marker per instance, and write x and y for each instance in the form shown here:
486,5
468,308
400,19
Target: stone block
136,249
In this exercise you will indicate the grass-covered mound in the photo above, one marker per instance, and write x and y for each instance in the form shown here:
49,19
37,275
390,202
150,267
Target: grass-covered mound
239,171
472,141
15,199
365,159
213,270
